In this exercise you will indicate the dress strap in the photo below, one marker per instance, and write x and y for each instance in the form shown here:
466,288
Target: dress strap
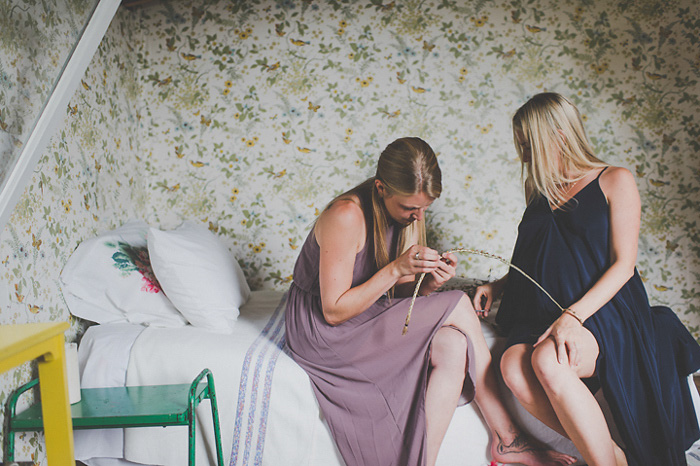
601,172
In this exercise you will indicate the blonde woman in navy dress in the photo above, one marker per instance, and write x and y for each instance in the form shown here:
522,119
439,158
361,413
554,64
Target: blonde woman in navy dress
389,398
578,239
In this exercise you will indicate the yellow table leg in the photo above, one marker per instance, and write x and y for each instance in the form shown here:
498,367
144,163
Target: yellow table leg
58,426
20,343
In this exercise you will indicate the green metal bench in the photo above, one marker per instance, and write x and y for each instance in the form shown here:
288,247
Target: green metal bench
122,407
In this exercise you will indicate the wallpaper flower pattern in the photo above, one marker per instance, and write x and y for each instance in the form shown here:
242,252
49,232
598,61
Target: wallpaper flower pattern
249,116
87,181
28,69
259,112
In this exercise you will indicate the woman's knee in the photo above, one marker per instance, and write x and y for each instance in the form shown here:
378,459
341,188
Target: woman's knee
513,368
463,316
546,366
449,350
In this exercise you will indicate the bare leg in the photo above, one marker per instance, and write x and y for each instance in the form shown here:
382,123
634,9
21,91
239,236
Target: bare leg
509,444
574,405
448,359
516,367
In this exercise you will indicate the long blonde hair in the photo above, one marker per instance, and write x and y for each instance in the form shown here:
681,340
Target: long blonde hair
406,167
560,150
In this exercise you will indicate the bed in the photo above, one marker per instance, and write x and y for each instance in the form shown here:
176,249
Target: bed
268,413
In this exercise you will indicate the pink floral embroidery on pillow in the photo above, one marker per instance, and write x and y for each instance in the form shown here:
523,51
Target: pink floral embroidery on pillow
129,259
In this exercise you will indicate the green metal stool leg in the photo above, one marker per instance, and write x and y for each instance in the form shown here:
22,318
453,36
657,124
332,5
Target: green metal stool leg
9,441
192,403
192,434
194,400
215,418
9,416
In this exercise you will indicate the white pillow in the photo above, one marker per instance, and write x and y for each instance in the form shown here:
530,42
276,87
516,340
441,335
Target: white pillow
199,275
109,279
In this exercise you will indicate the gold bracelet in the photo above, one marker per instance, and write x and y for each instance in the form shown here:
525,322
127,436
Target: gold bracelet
573,314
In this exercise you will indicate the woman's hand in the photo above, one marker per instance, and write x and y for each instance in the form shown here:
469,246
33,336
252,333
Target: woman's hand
417,260
446,269
566,332
486,294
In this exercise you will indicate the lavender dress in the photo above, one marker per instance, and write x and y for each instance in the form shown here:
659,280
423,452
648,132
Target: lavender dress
370,380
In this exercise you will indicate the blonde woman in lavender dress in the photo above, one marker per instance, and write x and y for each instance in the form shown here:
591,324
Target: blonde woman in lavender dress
389,398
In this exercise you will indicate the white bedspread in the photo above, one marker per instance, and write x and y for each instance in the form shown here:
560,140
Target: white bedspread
268,412
257,427
103,357
269,415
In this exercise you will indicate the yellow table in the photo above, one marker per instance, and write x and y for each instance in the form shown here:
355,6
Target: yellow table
24,342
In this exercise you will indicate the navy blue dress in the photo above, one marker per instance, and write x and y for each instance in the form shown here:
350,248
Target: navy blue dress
646,353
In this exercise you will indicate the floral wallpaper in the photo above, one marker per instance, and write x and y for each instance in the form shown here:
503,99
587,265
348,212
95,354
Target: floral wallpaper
258,112
249,116
87,181
28,69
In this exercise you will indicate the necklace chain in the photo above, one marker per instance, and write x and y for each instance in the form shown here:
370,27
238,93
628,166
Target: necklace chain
568,190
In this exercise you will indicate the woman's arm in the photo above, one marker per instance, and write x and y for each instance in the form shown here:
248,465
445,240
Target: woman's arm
624,206
340,233
488,292
625,216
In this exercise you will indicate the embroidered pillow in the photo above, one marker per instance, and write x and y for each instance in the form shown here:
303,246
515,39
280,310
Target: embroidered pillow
109,279
199,275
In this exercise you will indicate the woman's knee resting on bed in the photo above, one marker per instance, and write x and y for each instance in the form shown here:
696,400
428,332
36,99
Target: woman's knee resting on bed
449,351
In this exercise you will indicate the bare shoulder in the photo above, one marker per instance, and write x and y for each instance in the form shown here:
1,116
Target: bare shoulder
344,210
618,183
616,179
344,216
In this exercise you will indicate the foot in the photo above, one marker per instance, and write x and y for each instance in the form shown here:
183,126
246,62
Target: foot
524,450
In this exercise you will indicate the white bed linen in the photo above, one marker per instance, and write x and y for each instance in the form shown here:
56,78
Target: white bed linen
279,421
269,428
269,415
103,357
